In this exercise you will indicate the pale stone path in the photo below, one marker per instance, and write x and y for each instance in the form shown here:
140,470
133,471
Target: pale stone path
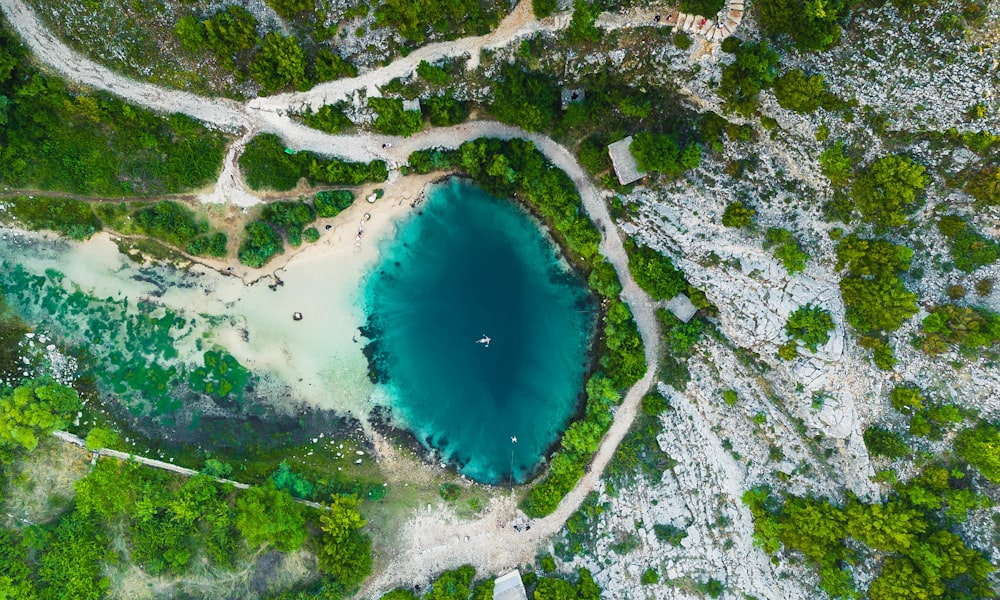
436,542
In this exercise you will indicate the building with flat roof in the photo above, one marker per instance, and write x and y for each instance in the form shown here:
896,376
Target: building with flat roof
626,167
682,307
509,587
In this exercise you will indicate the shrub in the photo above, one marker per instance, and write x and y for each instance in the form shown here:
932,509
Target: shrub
980,447
444,110
260,243
311,235
527,99
971,329
669,534
809,29
213,244
281,62
798,92
730,397
449,492
391,119
543,8
907,399
787,249
969,249
682,40
331,203
882,442
836,165
886,190
650,576
329,66
810,325
984,287
737,215
875,296
788,351
654,272
73,218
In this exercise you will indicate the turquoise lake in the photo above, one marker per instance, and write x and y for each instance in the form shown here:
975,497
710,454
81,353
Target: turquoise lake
464,266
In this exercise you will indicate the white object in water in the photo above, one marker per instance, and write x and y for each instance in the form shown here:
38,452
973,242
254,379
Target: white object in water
485,341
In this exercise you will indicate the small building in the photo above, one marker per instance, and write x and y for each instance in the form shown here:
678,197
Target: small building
682,307
412,104
626,167
571,97
509,587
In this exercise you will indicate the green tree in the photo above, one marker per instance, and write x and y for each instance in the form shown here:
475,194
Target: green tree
329,66
32,410
969,249
433,74
737,214
452,585
265,515
754,69
980,447
811,325
581,26
886,190
812,24
391,119
654,272
798,92
280,62
907,399
882,442
543,8
660,152
345,553
444,110
260,243
549,588
290,8
527,99
786,249
836,165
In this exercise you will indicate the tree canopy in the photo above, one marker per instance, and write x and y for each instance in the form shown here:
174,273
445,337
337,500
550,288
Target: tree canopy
885,191
812,24
34,409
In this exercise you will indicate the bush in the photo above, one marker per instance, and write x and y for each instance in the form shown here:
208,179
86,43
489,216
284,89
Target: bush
328,118
260,243
679,336
650,576
169,221
73,218
330,66
265,165
882,442
971,329
543,8
682,40
984,186
737,215
787,249
654,272
311,235
810,325
449,492
799,93
391,119
754,69
661,153
810,29
969,249
979,446
213,244
836,165
730,397
581,26
886,190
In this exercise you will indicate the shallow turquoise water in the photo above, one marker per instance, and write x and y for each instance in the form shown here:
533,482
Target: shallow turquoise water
470,265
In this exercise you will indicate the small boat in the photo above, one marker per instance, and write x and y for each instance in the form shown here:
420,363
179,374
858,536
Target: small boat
485,340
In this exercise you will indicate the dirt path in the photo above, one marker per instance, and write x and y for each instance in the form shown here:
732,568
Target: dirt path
435,540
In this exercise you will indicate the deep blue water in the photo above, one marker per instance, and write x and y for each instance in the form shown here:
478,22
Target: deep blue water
467,265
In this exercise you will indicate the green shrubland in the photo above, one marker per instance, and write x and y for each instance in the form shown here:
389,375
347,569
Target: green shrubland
754,69
786,249
887,190
810,26
391,119
810,325
737,214
969,249
266,165
55,137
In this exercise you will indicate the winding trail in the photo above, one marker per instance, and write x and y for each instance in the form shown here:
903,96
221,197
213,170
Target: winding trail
434,542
